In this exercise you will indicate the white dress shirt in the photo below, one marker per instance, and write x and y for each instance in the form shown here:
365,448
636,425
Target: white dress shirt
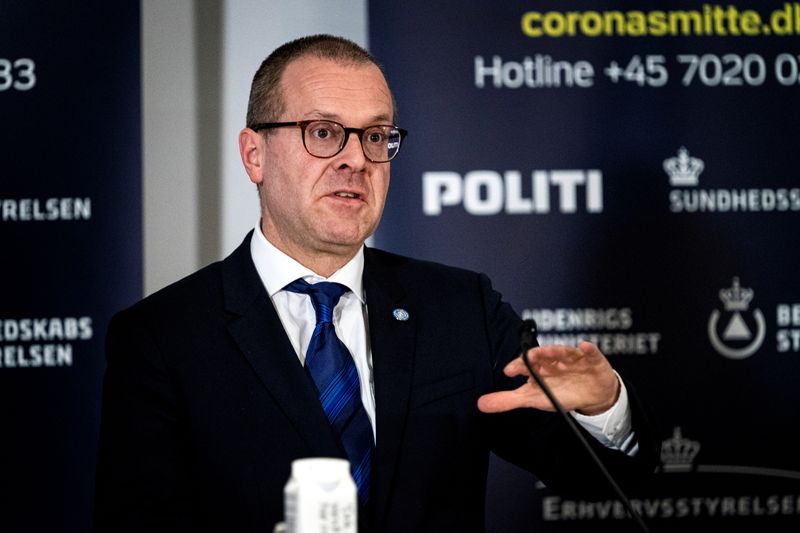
277,270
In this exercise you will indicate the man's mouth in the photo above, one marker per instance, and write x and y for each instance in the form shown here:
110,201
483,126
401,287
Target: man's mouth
345,194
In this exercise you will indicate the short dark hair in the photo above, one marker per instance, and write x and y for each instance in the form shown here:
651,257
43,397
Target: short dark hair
266,100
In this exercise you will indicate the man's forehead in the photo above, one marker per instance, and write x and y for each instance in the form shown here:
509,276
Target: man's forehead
327,83
309,60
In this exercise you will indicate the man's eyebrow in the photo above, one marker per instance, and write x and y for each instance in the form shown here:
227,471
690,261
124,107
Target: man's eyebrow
322,114
380,118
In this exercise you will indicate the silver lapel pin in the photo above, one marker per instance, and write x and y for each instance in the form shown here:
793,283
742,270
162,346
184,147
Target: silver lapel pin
400,314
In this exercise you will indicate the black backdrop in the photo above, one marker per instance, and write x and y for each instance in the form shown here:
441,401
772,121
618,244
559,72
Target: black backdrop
558,191
71,234
618,211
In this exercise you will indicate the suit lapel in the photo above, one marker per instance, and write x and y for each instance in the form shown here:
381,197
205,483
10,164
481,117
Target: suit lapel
392,344
258,332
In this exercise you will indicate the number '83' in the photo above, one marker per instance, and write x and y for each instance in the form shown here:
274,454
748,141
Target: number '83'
18,74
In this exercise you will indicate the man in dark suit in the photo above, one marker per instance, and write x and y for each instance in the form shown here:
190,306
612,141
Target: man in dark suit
206,399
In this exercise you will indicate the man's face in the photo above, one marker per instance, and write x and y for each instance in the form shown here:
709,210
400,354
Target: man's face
314,207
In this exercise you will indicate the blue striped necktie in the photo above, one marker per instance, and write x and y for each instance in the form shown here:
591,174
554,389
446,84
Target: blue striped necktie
333,371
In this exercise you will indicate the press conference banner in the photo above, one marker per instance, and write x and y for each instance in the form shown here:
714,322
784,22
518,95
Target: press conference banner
71,238
626,173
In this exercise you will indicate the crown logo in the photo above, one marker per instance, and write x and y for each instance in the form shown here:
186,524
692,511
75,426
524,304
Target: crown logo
736,298
683,169
678,453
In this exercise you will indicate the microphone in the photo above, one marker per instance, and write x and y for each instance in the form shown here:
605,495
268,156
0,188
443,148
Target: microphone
527,334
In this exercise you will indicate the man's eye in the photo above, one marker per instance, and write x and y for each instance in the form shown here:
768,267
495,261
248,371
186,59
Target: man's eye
321,133
375,137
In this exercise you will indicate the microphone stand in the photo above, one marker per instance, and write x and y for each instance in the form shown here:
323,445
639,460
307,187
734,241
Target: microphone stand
528,333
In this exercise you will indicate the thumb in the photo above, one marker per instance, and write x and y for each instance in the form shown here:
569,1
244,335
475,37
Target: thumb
499,402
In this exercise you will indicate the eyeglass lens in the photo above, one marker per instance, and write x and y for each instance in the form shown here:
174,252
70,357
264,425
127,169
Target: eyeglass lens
323,138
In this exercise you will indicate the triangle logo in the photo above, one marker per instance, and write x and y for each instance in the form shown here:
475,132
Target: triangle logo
737,330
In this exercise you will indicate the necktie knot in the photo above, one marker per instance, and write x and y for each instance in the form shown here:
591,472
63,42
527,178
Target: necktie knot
324,296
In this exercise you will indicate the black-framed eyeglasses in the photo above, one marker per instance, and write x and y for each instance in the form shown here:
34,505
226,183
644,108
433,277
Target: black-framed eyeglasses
326,138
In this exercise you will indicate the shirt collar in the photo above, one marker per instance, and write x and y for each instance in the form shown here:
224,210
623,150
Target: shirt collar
277,270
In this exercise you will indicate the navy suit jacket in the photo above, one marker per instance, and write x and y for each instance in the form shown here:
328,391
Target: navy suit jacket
205,405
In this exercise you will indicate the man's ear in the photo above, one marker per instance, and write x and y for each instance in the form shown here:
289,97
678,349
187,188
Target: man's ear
251,149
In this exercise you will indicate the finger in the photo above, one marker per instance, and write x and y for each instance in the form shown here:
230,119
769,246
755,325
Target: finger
517,366
555,354
590,351
547,360
498,402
